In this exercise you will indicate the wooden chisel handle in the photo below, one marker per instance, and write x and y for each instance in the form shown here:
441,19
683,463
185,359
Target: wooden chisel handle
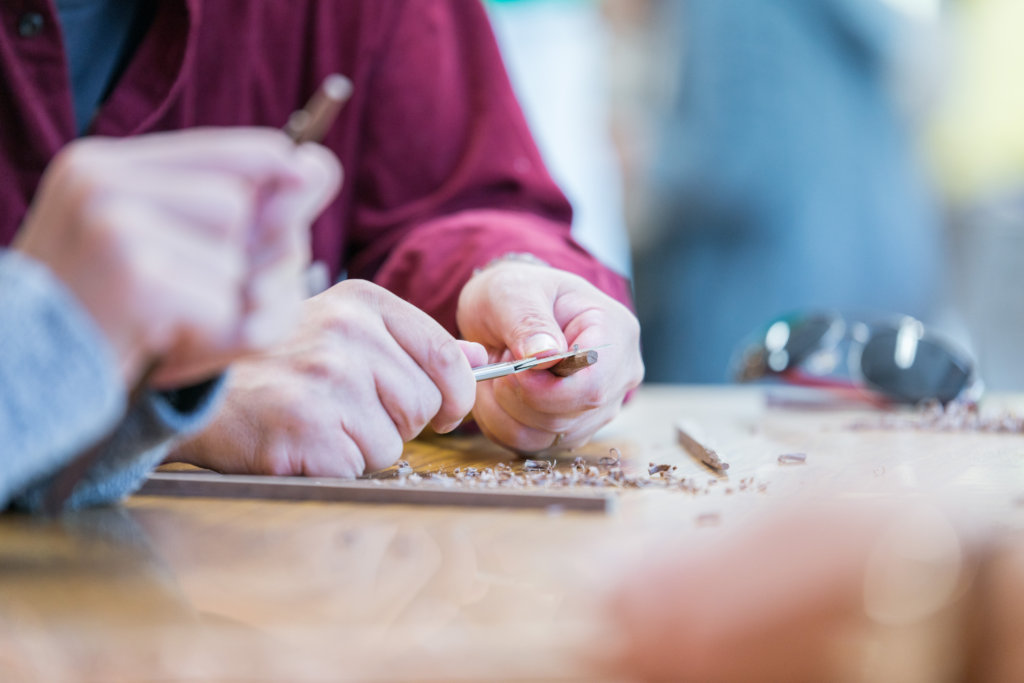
574,363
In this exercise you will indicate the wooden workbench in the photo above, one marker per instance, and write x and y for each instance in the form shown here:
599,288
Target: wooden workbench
201,589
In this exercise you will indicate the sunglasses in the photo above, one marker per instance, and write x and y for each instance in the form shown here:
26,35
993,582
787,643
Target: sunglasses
890,362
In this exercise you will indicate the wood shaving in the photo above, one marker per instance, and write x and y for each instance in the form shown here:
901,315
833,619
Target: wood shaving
955,417
709,519
607,473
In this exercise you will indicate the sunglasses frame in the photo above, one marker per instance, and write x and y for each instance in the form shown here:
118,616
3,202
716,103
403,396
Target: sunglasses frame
771,357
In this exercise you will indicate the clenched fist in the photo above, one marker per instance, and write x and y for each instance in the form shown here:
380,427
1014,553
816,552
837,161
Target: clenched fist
186,247
365,373
515,310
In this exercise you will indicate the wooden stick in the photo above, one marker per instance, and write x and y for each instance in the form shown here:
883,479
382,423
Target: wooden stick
311,123
211,485
573,364
698,451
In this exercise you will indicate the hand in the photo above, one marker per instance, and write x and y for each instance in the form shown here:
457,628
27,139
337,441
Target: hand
186,247
769,603
518,310
365,373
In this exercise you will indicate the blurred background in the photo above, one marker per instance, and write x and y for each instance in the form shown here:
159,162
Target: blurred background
764,157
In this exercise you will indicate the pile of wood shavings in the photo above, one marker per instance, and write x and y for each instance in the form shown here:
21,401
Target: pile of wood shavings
955,417
544,474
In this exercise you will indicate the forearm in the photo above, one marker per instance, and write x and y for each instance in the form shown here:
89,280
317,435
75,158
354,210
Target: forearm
465,184
61,392
61,389
139,444
434,261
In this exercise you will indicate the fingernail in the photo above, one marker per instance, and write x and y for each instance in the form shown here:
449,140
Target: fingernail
539,343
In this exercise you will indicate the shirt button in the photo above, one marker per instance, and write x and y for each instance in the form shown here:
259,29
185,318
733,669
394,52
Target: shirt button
30,25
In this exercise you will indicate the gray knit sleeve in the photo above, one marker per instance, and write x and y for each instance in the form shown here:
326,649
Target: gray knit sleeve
60,393
59,384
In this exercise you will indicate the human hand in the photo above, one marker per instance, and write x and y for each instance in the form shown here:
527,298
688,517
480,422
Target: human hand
515,310
186,247
365,373
769,603
818,590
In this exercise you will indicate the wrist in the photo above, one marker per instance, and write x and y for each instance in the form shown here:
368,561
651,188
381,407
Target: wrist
512,257
502,266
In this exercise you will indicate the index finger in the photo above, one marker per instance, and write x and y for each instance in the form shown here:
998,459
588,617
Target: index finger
438,354
257,154
551,394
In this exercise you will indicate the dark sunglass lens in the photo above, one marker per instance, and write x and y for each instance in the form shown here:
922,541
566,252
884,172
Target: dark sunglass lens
911,371
786,343
805,336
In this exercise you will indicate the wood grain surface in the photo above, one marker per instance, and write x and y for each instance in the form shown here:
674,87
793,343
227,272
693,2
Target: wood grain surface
191,589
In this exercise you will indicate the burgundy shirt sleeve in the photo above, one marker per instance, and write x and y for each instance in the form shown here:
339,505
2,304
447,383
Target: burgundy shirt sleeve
450,178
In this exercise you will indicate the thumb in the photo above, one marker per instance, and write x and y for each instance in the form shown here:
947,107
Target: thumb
288,208
323,176
475,353
528,325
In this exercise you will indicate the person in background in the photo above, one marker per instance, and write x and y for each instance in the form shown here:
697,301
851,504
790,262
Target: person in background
448,227
167,255
786,178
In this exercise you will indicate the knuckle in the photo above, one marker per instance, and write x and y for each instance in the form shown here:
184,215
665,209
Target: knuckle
594,397
413,413
343,460
428,406
519,439
385,451
287,413
409,425
78,169
362,289
529,322
74,159
570,443
81,188
347,324
528,444
444,353
273,459
318,362
463,403
556,425
349,463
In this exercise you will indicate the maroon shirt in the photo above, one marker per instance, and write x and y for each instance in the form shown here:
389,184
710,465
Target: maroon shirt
442,175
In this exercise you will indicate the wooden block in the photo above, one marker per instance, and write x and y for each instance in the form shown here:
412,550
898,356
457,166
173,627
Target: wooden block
211,485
